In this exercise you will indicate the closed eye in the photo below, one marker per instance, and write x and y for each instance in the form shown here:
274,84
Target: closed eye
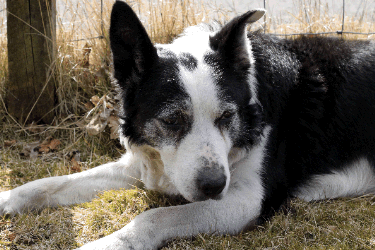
170,121
225,119
174,122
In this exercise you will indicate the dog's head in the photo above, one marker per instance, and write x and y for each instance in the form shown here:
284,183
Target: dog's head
192,103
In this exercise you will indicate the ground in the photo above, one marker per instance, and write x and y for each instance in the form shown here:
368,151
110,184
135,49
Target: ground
331,224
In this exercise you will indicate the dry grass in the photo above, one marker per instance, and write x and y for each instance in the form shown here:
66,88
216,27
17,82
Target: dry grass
338,224
315,18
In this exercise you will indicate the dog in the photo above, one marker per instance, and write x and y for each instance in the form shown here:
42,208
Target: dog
236,122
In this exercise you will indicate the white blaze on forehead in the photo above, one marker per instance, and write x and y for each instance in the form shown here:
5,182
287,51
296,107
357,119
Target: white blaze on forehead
194,40
202,89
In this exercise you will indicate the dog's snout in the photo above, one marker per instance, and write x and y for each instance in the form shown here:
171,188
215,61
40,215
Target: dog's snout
211,181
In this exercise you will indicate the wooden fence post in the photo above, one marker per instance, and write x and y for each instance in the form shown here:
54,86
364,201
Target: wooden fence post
31,29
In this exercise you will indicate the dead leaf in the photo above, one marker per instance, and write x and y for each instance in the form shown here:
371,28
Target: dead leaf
47,140
104,114
54,144
109,105
114,124
43,149
75,160
100,120
33,128
95,100
49,145
76,166
11,236
96,125
30,150
9,143
85,63
89,106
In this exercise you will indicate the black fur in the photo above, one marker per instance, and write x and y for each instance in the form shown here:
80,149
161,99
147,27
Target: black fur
229,42
234,87
188,61
139,68
318,94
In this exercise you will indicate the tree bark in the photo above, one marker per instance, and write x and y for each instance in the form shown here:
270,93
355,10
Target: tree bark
31,29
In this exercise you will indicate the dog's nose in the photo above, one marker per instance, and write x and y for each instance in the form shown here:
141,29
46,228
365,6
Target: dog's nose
211,181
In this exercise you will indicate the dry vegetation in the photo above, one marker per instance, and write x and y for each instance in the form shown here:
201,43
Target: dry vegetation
338,224
314,17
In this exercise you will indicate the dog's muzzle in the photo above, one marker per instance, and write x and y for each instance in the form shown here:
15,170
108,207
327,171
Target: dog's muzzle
211,180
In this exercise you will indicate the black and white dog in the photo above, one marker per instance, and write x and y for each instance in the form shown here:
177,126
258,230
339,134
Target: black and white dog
236,123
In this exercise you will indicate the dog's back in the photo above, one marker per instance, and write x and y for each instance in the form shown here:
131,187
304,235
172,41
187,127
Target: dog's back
319,94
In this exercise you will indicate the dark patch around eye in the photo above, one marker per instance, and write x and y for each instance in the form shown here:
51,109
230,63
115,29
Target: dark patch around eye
188,61
234,87
143,101
178,125
224,120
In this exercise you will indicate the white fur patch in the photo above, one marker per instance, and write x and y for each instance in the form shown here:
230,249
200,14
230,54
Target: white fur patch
356,179
194,40
246,173
258,152
203,92
253,83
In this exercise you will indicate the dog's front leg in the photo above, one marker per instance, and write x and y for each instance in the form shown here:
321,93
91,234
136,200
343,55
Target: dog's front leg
236,211
71,189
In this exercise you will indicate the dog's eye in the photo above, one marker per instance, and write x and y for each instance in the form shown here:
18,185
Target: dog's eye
225,118
226,115
173,122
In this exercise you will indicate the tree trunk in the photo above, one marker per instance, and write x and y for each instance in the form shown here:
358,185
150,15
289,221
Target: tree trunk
30,91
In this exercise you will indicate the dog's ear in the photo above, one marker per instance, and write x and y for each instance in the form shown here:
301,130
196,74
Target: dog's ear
232,42
132,50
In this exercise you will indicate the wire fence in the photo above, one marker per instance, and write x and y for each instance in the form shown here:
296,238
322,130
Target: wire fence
101,35
338,32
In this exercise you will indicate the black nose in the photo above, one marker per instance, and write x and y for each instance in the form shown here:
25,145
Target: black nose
211,181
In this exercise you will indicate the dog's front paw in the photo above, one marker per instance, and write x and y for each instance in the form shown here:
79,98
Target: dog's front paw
22,199
111,243
129,237
7,204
